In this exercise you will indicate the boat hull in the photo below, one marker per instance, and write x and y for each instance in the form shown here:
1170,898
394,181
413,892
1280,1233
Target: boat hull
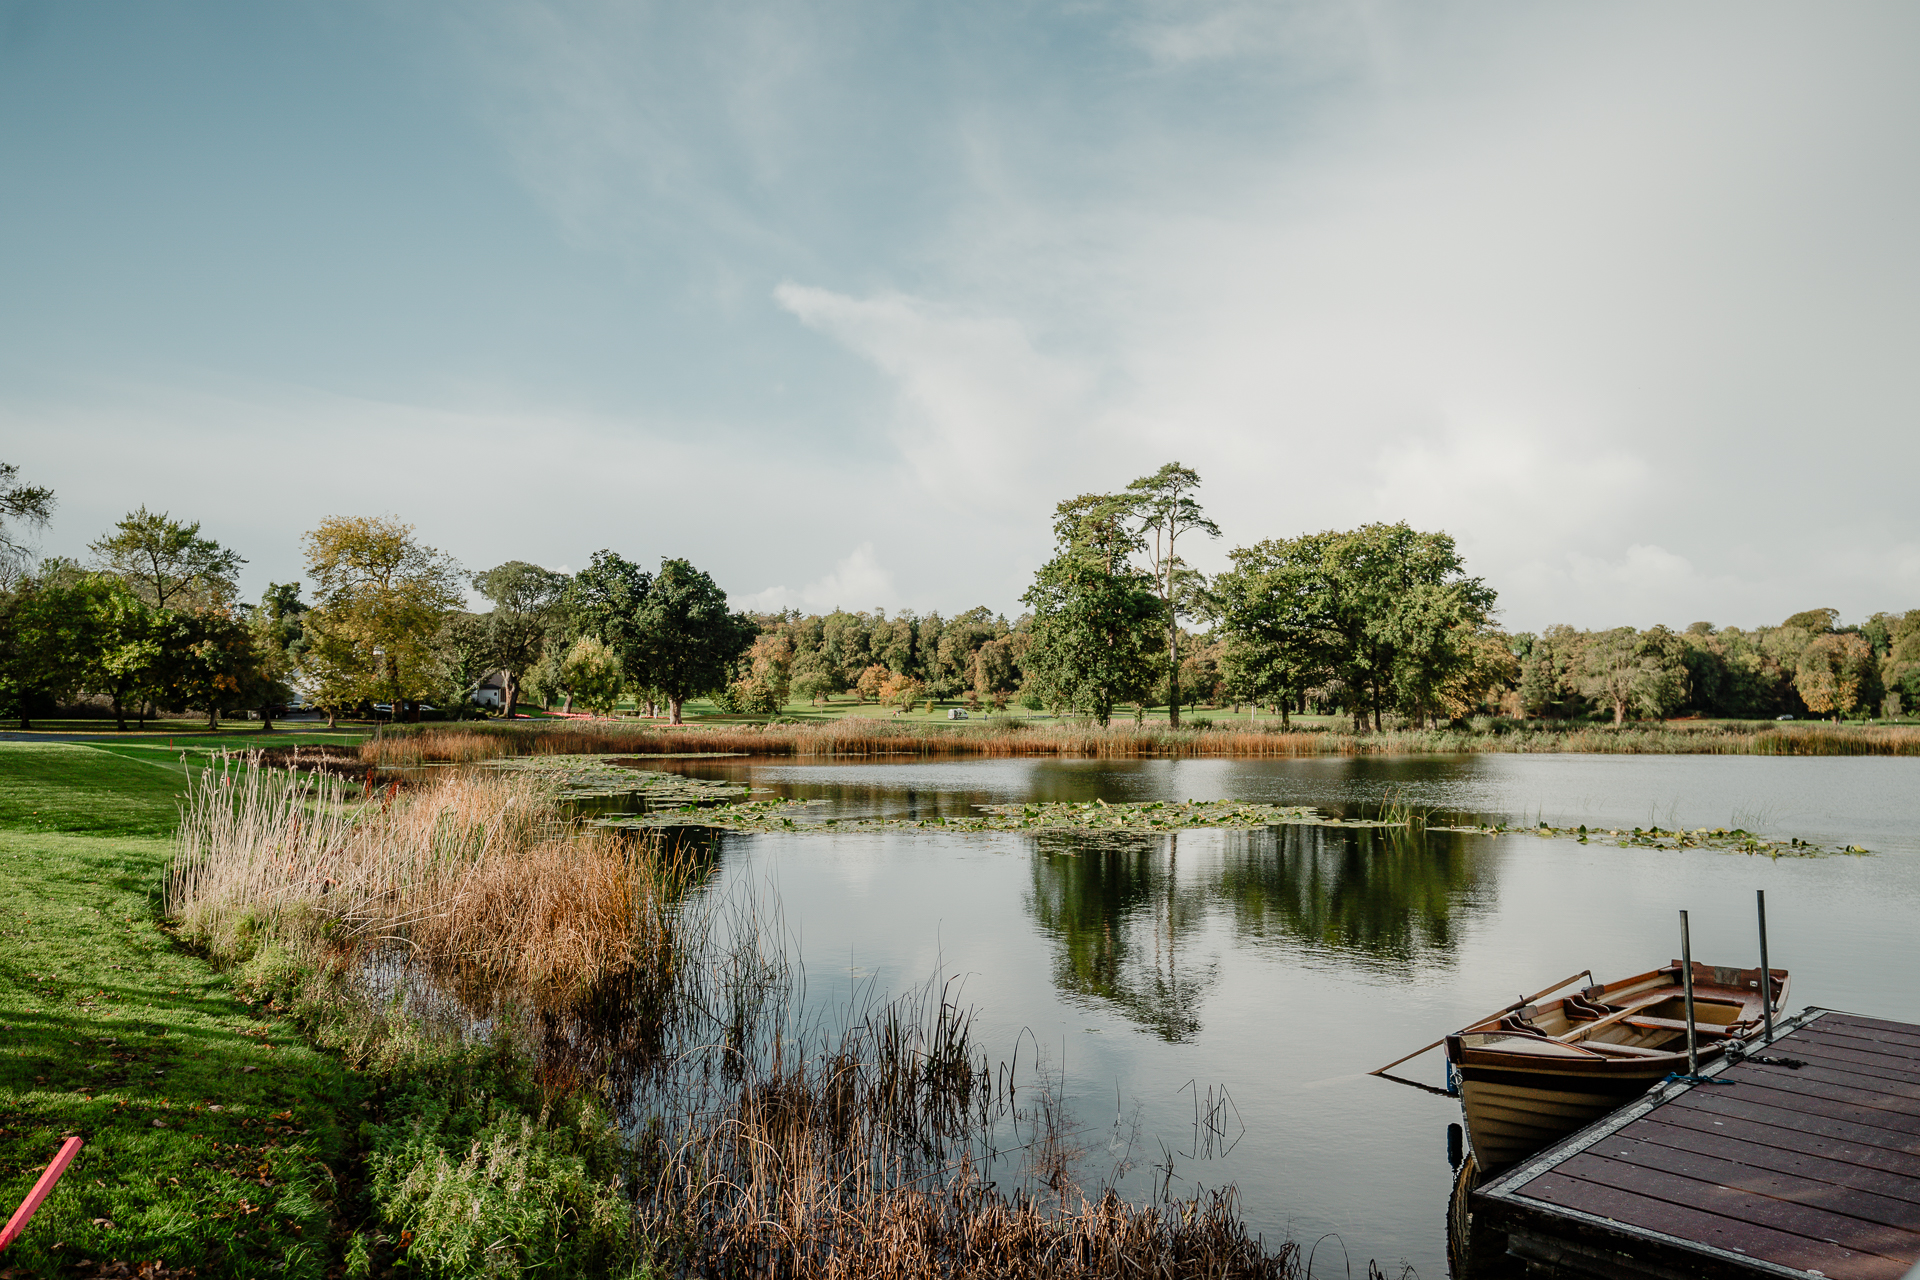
1512,1114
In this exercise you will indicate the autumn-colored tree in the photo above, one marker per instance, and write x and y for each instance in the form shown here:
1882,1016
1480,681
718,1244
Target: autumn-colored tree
1834,669
867,685
770,661
381,598
901,690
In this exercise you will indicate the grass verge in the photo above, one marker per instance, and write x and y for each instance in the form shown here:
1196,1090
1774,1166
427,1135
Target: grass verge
216,1139
246,1119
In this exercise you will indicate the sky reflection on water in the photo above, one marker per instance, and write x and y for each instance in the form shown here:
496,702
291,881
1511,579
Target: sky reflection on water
1281,964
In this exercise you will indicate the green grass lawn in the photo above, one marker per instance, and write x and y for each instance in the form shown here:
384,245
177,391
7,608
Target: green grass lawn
212,1130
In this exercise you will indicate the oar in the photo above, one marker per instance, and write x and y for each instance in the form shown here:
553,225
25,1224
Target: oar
1522,1003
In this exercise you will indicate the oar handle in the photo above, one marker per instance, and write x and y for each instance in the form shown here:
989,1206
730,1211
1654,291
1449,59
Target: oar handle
1521,1003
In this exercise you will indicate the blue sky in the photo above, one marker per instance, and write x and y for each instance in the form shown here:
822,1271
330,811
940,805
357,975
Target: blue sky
837,299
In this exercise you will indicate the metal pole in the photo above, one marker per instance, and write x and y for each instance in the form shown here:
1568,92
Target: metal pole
1766,974
1686,973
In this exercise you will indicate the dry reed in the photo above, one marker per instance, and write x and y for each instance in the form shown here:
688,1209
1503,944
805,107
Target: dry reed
863,737
477,879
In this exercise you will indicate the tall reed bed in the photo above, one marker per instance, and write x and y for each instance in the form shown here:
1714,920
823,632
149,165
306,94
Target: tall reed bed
476,879
763,1136
862,737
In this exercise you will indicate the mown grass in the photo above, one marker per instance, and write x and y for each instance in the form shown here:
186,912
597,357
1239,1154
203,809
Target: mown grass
109,1031
220,1140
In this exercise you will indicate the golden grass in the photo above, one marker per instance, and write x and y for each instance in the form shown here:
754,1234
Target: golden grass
477,878
855,737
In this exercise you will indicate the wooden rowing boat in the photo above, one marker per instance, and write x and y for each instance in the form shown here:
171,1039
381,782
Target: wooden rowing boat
1531,1075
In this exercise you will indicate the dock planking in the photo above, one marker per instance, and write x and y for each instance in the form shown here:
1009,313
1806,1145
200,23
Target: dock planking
1811,1169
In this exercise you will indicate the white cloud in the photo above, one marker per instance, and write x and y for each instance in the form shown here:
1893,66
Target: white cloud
982,414
858,582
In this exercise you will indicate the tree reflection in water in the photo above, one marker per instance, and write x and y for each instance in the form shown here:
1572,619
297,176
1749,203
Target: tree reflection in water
1119,915
1128,928
1374,894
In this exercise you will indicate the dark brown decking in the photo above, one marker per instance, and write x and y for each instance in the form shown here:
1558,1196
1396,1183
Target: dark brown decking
1813,1171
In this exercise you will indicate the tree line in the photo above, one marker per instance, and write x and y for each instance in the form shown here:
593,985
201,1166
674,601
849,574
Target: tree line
1381,623
152,620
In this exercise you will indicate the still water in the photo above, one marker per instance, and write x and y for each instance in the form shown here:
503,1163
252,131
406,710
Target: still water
1274,968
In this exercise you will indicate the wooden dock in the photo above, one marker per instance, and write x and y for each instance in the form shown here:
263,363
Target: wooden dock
1808,1170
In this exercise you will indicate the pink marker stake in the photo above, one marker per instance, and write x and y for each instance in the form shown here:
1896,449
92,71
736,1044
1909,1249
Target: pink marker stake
41,1190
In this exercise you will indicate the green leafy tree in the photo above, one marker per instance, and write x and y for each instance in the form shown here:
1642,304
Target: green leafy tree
530,602
996,665
466,659
50,639
845,643
209,663
1095,617
168,562
1627,670
1275,642
1400,610
1166,508
687,640
383,599
592,674
30,505
605,600
126,662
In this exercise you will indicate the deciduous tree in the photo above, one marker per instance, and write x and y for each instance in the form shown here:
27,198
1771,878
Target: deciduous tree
382,598
1835,671
168,562
529,603
592,673
1095,616
687,639
49,634
1627,670
28,505
127,660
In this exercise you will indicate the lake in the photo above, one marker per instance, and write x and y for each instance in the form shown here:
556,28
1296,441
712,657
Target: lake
1273,968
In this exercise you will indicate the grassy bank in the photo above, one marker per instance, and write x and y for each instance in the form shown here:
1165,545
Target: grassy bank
216,1139
415,744
220,1140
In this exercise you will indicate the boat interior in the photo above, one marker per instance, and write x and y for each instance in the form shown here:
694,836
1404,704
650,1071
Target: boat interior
1638,1017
